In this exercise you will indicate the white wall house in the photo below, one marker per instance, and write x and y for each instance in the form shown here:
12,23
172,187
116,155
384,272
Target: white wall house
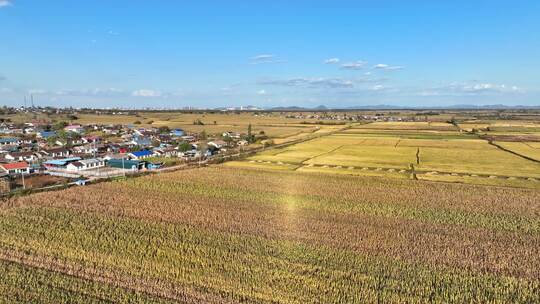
86,164
15,168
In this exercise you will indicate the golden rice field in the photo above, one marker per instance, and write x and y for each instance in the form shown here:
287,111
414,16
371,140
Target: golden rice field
503,127
432,126
230,235
530,149
349,153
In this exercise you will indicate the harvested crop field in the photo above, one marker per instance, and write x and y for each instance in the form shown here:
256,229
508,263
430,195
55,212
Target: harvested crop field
439,153
223,235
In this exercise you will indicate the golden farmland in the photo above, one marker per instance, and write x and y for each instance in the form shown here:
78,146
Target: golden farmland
220,235
386,212
444,152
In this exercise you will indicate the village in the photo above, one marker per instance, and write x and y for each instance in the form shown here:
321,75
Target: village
37,154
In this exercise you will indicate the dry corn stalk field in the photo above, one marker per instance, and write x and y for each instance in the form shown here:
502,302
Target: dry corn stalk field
228,235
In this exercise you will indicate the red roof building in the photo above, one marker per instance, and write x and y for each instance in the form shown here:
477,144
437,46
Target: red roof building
15,168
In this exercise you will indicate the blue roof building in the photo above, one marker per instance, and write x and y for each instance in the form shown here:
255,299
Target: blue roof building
177,132
59,163
46,134
141,154
9,141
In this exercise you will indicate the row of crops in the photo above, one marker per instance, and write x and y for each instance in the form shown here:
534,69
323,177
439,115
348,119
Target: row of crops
219,235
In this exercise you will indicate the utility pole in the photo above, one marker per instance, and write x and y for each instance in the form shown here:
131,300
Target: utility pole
23,184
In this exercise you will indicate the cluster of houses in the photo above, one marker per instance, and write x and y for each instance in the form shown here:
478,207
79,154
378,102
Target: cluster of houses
38,147
349,117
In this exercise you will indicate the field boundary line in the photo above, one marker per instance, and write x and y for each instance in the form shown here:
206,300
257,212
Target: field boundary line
527,144
327,152
513,152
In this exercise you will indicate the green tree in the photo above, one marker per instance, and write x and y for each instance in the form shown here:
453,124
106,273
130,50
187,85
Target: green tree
184,146
164,129
250,138
60,125
227,139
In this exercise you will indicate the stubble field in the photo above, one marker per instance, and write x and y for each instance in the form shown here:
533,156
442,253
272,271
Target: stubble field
223,235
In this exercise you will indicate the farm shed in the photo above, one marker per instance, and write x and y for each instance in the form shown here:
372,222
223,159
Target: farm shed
127,164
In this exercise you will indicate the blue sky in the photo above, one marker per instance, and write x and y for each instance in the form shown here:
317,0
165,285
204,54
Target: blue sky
307,53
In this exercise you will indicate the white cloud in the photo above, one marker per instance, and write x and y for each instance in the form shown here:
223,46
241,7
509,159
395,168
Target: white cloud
312,82
471,89
112,33
6,90
265,58
357,65
378,87
4,3
146,93
261,92
331,61
38,92
107,92
386,67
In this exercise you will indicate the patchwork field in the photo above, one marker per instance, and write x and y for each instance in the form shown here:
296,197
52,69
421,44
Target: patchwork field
382,149
433,126
504,127
529,149
228,235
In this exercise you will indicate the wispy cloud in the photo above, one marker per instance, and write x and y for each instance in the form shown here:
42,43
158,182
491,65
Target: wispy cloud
112,33
38,92
378,87
331,61
5,3
311,82
357,65
386,67
107,92
265,58
471,89
146,93
261,92
3,78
